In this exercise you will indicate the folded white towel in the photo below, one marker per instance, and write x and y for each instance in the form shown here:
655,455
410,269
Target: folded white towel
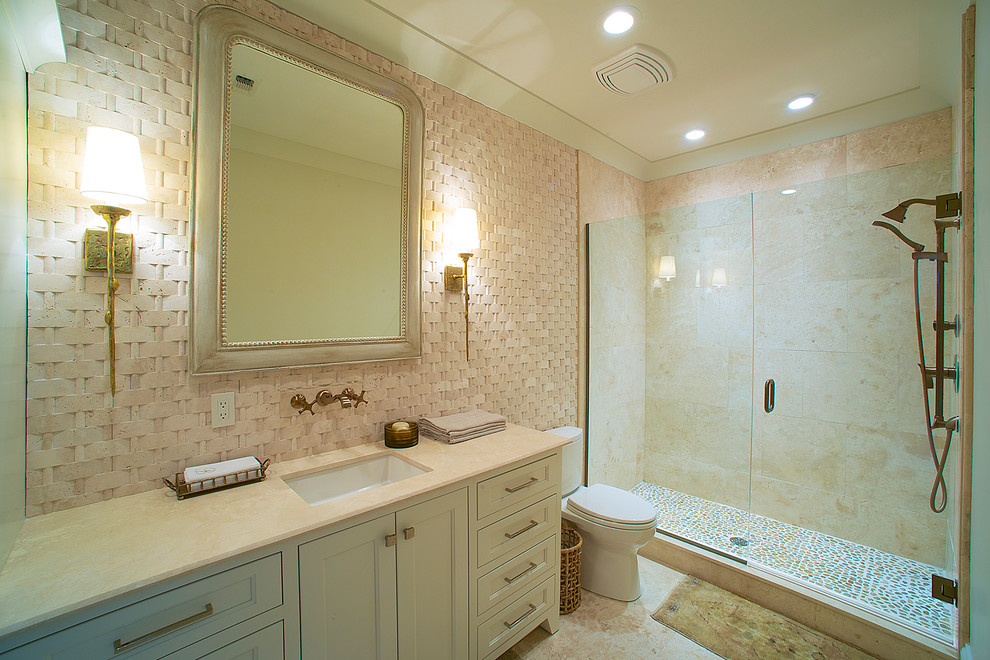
461,426
223,472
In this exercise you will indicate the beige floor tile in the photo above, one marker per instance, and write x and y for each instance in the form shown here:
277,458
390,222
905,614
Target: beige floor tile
602,628
606,628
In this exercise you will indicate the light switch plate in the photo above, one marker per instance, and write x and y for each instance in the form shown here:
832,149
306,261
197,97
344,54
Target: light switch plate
223,410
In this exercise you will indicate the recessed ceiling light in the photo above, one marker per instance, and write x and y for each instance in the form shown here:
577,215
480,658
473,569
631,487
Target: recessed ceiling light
801,102
696,134
788,191
619,20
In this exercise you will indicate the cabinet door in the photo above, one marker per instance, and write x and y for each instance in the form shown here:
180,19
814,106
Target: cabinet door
432,579
347,593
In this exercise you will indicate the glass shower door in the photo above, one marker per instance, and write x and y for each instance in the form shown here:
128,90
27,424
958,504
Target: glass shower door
841,466
698,362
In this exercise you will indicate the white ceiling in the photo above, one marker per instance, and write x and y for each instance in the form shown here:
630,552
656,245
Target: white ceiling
736,63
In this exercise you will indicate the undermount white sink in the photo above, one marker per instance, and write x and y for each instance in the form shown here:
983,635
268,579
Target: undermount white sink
360,475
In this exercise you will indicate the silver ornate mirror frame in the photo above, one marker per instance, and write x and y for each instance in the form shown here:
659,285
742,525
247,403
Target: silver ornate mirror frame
218,29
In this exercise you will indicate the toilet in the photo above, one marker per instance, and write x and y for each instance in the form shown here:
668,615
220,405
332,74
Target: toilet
613,523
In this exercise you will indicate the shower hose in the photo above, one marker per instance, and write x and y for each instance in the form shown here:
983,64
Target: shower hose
938,498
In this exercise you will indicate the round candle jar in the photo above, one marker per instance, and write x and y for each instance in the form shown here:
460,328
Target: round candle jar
401,433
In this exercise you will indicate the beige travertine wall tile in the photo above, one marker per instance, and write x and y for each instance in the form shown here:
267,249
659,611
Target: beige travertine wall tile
884,189
802,316
606,192
917,138
616,370
800,450
731,485
706,433
825,159
130,67
914,535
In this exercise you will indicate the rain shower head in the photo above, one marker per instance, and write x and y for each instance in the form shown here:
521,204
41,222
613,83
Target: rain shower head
945,206
897,213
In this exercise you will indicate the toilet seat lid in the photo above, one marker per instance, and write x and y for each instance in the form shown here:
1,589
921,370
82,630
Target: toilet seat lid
612,504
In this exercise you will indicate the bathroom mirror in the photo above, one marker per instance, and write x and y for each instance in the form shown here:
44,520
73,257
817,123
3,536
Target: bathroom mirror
307,175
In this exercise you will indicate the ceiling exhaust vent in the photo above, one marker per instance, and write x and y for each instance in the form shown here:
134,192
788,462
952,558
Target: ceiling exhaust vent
634,70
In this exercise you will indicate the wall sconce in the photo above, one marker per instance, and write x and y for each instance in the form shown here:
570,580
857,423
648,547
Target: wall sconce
113,173
461,236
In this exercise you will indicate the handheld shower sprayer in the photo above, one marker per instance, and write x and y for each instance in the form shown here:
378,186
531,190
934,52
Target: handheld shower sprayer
946,206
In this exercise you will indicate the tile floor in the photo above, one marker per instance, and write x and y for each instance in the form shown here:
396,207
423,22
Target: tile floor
893,586
606,628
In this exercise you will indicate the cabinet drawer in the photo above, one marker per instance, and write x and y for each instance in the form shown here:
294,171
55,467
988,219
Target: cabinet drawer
508,488
514,622
169,621
517,575
519,531
267,644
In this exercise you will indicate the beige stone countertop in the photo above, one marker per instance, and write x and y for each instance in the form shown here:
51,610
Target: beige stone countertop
70,559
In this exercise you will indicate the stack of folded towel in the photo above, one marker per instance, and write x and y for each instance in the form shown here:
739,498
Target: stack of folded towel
461,426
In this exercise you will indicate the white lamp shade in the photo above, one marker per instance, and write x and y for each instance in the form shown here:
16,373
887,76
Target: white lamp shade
719,277
112,167
668,268
461,233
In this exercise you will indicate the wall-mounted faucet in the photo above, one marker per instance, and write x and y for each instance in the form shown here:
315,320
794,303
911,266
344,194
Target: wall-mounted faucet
347,397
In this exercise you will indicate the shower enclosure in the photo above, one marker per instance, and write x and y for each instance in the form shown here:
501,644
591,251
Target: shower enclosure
767,397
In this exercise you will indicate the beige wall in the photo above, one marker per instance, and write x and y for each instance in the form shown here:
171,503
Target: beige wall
130,67
13,246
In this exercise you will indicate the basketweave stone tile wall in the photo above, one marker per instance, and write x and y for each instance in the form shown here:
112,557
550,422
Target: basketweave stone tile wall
129,67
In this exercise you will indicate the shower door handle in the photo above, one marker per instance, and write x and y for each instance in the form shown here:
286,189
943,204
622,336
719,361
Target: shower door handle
768,392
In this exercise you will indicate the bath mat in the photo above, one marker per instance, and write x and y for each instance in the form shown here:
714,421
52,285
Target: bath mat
737,629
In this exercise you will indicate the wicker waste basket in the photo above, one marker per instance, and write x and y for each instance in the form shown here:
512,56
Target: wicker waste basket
570,569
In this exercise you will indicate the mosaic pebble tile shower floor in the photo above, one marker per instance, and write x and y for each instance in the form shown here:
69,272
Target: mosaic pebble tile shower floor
892,586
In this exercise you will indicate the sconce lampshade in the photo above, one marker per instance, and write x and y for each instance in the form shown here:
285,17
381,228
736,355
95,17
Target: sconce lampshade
462,231
668,268
112,167
719,278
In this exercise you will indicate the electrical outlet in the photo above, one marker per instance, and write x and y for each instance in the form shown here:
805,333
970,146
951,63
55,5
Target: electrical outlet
223,409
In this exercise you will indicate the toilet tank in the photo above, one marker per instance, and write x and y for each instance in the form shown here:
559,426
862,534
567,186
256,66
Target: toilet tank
572,458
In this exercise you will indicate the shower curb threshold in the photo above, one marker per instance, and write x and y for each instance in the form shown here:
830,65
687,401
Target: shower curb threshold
872,633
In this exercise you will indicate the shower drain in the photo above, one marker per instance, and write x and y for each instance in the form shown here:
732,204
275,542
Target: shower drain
738,540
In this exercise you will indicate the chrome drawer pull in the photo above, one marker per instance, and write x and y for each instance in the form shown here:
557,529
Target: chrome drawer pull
531,525
532,480
513,579
120,647
532,608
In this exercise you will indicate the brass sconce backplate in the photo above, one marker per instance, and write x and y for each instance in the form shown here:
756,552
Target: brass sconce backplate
453,278
95,251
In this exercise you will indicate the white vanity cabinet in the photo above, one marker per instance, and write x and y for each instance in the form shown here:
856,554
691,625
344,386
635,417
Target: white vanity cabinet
516,555
461,568
216,617
395,586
